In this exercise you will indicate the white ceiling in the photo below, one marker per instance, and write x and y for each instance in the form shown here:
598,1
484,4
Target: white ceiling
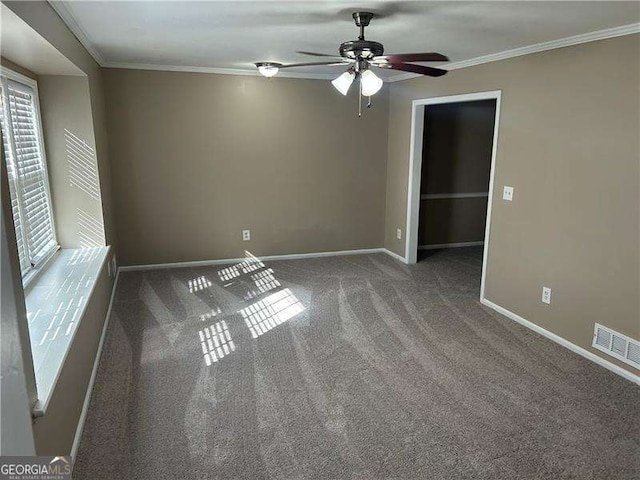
235,34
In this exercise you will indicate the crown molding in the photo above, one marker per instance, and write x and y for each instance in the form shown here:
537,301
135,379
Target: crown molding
69,20
222,71
538,47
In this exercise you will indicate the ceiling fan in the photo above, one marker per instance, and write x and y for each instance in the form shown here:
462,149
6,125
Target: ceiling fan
360,55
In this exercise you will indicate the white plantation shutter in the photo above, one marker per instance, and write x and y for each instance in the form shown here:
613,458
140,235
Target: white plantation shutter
12,177
27,174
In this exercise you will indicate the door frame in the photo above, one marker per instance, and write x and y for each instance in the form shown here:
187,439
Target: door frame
415,170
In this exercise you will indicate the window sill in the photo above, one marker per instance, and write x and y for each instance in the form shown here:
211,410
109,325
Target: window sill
34,273
56,301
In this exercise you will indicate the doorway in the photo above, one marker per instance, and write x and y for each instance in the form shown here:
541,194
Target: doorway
453,149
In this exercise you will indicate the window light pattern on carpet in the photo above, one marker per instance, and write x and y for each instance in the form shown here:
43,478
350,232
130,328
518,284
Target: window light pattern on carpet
200,283
271,311
265,281
250,264
216,342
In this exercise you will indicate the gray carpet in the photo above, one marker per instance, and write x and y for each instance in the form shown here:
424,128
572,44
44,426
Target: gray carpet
353,367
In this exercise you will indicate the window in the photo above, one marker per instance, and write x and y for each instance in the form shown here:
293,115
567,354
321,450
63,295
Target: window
26,170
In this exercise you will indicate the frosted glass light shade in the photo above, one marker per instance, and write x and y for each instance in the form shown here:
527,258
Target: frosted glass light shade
343,82
267,69
370,82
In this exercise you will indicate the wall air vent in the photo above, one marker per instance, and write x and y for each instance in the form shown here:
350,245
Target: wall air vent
617,345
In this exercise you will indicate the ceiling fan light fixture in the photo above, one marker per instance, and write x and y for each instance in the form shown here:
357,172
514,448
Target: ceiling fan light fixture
268,69
371,83
344,81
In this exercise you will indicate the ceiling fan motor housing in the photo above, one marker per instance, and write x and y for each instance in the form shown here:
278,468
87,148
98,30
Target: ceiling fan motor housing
361,49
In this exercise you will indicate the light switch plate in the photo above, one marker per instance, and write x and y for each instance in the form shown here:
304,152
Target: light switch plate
399,234
507,193
546,295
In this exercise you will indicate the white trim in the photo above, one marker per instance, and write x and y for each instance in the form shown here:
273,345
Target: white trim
562,341
18,77
76,29
394,255
492,174
415,167
226,261
40,408
92,379
436,246
439,196
74,26
413,189
535,48
220,71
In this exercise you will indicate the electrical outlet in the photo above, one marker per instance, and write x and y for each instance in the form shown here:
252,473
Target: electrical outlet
246,235
546,295
507,193
399,234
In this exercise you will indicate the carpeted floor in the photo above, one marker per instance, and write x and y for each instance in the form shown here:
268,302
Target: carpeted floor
353,367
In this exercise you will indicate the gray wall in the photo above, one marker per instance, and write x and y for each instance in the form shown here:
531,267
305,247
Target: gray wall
197,158
568,143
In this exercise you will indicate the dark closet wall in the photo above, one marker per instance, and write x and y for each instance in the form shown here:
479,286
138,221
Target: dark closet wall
456,158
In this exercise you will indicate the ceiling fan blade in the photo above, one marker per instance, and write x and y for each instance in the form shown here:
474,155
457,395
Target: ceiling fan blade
412,57
408,67
313,64
314,54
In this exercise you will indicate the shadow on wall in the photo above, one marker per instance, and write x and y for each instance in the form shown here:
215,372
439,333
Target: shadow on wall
83,175
90,230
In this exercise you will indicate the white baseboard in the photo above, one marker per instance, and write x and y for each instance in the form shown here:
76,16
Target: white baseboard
562,341
92,379
395,255
450,245
226,261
